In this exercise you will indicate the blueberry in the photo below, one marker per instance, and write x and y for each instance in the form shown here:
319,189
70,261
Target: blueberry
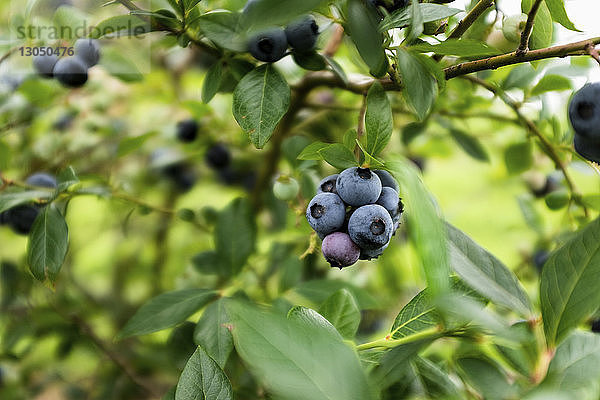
44,65
370,227
42,179
21,218
326,213
584,111
339,250
269,45
358,186
387,180
596,326
71,72
327,185
182,175
4,218
539,259
551,184
371,254
218,156
88,51
390,200
187,130
286,188
587,148
302,34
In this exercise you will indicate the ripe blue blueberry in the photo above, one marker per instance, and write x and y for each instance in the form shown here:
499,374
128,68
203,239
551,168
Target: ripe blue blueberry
371,254
42,179
302,34
71,72
390,200
327,185
587,148
21,218
88,51
339,250
595,326
218,156
182,175
584,111
268,46
387,180
326,213
370,227
44,65
187,130
358,186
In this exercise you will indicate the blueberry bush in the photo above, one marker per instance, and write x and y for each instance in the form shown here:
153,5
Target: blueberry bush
179,177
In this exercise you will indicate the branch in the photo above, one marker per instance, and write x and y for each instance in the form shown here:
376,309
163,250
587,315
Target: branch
593,52
571,49
526,35
545,145
467,21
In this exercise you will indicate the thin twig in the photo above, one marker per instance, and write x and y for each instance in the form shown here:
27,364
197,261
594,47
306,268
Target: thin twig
526,35
335,42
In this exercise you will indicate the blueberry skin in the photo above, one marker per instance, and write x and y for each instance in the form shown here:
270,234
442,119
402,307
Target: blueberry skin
370,227
371,254
588,149
71,72
3,218
268,46
181,174
584,111
327,185
218,156
339,250
44,65
42,179
387,180
390,200
326,213
187,130
358,186
21,218
596,326
88,51
539,259
302,34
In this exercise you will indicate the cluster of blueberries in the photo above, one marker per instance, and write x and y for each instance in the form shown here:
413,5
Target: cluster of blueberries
21,218
271,44
356,213
584,113
70,71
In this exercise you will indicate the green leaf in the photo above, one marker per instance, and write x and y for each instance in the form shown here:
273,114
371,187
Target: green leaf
395,364
310,61
338,156
202,378
362,26
568,290
68,21
318,291
337,69
518,157
532,217
543,30
266,13
470,144
420,89
260,100
349,139
342,311
129,144
485,376
485,273
309,316
576,363
312,151
11,200
379,121
207,262
456,47
212,82
520,76
189,4
223,28
551,83
430,12
436,382
124,25
212,332
426,228
559,14
296,360
235,235
48,244
66,179
166,310
120,66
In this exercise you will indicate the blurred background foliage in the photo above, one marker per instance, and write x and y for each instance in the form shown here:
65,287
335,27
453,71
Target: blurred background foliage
150,236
